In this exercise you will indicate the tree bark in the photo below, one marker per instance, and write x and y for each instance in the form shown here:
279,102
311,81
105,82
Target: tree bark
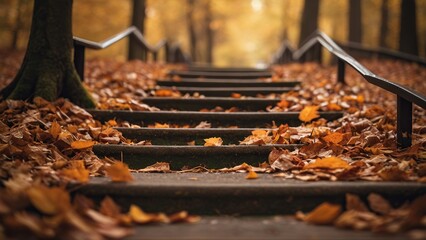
384,24
408,32
309,24
136,51
355,24
309,19
47,70
209,33
191,29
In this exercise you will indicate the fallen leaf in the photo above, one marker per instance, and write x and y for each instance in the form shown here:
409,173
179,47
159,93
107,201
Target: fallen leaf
378,204
157,167
82,144
335,137
55,130
49,200
119,172
328,163
309,113
213,142
252,175
160,125
324,214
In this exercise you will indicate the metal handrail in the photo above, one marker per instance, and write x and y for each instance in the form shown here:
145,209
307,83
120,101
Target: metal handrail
284,53
380,51
80,45
405,96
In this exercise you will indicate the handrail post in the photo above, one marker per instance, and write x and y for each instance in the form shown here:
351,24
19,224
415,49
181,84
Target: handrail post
154,56
79,57
341,71
404,122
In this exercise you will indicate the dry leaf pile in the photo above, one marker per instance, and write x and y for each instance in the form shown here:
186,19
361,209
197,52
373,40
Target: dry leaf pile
378,215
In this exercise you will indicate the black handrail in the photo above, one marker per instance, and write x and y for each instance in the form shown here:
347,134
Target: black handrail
81,44
284,53
385,52
405,96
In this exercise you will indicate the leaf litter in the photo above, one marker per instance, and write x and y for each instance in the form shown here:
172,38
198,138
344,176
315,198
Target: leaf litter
44,145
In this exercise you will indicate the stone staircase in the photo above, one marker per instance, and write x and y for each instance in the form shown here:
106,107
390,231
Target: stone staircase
216,196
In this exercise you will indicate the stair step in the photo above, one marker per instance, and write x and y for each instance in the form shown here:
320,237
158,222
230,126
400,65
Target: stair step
228,91
196,104
231,75
217,119
274,227
224,83
226,69
137,156
181,136
231,193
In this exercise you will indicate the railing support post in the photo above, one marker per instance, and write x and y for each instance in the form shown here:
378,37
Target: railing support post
79,56
341,71
404,122
155,56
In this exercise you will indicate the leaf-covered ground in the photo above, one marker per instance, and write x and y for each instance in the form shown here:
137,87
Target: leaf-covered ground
44,146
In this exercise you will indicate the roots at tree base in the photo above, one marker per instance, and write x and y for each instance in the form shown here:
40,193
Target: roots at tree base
47,70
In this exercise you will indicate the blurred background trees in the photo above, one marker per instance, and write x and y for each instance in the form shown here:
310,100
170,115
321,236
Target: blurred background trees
238,32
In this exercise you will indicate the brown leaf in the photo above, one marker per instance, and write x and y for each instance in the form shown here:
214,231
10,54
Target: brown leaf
353,202
49,200
119,172
141,217
157,167
324,214
378,204
77,171
393,174
328,163
308,113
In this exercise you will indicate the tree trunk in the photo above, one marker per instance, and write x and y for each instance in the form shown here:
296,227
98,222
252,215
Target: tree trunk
355,24
47,70
309,24
408,32
136,51
209,33
309,19
384,24
191,29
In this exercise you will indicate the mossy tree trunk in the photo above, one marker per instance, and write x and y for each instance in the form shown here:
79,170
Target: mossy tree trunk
47,70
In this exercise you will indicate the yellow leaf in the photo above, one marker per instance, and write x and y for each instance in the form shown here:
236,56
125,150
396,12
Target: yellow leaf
309,113
259,133
328,163
82,144
49,200
212,142
335,137
119,172
325,213
252,175
55,130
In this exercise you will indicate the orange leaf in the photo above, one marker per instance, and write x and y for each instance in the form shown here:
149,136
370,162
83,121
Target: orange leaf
283,104
328,163
214,141
55,129
77,171
139,216
164,93
335,137
259,133
325,213
334,107
119,172
252,175
309,113
236,95
82,144
160,125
